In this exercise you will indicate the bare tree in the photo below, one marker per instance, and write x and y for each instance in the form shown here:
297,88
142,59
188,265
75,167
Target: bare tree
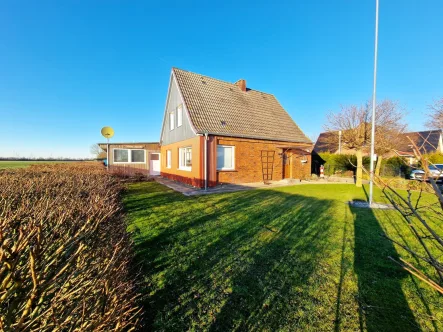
435,116
96,150
389,127
423,219
354,122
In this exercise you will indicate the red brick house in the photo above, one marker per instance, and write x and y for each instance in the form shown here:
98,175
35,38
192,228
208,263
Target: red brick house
218,132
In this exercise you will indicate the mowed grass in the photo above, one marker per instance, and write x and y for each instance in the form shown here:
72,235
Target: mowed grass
21,164
293,258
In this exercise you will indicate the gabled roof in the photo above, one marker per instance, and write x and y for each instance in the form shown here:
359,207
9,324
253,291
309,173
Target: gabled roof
222,108
325,143
426,141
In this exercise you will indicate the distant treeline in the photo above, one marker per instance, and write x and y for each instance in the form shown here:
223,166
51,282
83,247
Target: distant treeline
44,159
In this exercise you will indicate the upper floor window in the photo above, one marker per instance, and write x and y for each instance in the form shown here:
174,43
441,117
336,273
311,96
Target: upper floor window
185,158
171,121
179,115
129,156
225,157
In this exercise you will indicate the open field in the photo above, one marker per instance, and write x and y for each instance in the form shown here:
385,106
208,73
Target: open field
294,258
26,163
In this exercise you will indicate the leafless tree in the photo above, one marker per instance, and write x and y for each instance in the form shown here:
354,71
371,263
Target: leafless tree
96,150
423,219
354,122
435,116
389,127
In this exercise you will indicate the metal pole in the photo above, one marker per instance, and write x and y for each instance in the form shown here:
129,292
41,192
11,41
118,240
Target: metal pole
206,161
107,156
371,182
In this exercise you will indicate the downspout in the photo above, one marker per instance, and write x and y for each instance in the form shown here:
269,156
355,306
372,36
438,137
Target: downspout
206,161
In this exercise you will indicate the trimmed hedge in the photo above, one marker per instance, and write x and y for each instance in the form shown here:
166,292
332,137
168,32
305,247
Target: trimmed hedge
65,255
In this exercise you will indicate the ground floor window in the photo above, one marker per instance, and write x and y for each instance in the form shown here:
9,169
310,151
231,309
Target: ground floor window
185,158
168,158
225,157
129,156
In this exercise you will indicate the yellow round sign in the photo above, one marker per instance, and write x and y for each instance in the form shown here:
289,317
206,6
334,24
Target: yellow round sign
107,132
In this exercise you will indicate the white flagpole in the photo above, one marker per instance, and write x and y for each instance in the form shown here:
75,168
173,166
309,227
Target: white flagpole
371,182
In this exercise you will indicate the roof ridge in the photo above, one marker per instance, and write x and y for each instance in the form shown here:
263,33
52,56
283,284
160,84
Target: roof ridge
217,79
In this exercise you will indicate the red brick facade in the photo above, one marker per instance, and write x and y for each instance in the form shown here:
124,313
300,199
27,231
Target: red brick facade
290,160
249,165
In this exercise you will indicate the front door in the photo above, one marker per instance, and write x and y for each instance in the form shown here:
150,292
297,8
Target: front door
287,165
154,164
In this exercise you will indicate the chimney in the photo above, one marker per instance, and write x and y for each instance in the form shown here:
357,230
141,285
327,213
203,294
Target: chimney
241,84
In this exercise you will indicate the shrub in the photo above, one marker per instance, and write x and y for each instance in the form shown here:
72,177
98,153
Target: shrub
65,253
395,166
341,164
434,158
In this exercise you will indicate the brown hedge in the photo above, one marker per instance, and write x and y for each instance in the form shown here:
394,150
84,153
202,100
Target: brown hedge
65,254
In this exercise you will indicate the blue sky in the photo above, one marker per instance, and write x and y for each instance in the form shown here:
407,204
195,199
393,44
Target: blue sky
68,68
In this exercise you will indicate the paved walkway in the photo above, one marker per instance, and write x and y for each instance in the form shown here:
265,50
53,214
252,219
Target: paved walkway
188,190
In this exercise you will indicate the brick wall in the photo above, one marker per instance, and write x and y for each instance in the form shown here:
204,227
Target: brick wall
248,163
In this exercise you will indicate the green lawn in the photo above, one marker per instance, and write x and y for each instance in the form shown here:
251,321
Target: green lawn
293,258
21,164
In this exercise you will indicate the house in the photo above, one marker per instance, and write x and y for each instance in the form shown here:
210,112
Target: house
426,141
217,132
131,158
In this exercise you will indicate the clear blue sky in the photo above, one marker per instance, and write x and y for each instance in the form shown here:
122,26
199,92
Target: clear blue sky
68,68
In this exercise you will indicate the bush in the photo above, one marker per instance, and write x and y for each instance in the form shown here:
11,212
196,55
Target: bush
395,166
65,253
341,164
434,158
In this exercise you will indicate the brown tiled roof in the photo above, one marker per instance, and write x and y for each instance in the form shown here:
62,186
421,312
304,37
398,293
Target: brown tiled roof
222,108
325,143
426,141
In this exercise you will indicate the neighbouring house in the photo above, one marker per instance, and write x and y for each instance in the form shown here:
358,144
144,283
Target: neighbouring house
217,132
131,158
426,141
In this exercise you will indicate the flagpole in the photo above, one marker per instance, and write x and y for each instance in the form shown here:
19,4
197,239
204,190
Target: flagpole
371,181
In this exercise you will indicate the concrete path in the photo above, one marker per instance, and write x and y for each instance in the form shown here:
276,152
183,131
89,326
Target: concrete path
188,190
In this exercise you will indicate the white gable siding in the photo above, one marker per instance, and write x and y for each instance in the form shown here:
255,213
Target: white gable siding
178,133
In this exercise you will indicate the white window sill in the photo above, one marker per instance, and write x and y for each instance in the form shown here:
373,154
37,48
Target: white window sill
225,169
129,162
168,167
188,169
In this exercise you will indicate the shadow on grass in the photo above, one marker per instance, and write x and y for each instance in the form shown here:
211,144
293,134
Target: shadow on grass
258,260
382,303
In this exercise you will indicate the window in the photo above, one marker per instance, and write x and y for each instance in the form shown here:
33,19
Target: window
185,158
225,157
171,121
137,156
168,158
129,156
121,156
179,115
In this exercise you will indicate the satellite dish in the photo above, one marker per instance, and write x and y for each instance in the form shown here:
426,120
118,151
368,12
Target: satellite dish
107,132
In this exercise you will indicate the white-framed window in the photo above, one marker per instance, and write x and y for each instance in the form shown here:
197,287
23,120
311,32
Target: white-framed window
179,115
225,157
168,158
132,156
171,121
185,158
